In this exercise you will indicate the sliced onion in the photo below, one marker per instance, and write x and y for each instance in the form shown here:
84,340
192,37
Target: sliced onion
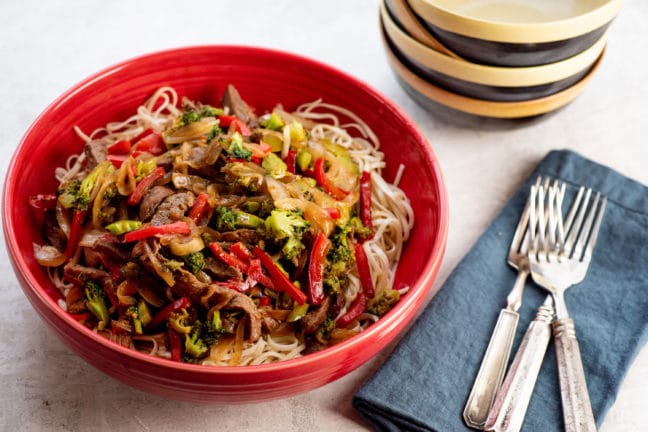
276,189
180,246
191,131
90,237
316,215
63,219
48,256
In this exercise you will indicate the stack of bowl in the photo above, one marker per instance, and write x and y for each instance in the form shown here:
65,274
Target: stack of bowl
493,58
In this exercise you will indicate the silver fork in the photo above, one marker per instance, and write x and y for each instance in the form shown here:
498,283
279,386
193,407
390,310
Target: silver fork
558,259
493,365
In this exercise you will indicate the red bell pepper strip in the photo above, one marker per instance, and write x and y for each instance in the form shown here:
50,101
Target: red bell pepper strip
234,124
175,343
264,301
325,182
141,135
281,281
316,266
80,316
365,202
333,212
225,120
75,232
228,258
355,310
141,187
200,208
241,252
117,160
163,314
363,270
179,227
39,204
256,275
121,147
291,161
151,143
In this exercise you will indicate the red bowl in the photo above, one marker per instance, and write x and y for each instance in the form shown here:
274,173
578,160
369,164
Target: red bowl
264,78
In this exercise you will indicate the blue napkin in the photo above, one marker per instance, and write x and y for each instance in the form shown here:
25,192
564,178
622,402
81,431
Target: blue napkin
424,383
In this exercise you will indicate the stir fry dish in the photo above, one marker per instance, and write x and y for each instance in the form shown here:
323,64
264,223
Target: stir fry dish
211,234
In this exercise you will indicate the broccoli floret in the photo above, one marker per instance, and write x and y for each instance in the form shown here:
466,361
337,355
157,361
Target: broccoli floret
236,149
77,193
96,303
324,330
359,229
210,111
213,133
384,302
187,117
287,226
202,336
340,258
194,345
229,219
140,316
272,121
68,193
194,261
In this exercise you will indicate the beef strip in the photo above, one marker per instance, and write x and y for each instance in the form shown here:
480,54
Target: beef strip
312,320
78,274
95,152
245,235
187,285
151,200
237,106
53,232
232,299
173,208
220,271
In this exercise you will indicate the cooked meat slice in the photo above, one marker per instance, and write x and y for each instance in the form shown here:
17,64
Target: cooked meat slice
237,106
75,300
95,152
173,208
53,233
220,271
78,274
247,236
312,320
231,299
186,284
152,199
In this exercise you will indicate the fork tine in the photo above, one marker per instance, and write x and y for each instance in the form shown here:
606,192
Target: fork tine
585,231
520,237
576,226
595,231
572,211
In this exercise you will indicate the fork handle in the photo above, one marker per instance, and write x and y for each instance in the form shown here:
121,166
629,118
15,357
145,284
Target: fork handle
510,406
491,372
576,405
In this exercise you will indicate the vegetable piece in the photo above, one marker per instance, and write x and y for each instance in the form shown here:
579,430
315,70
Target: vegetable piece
363,270
280,280
146,231
194,345
117,160
151,142
241,252
384,302
365,202
304,159
274,166
229,259
76,229
178,321
333,212
291,161
297,132
321,178
175,344
123,226
121,147
144,184
200,208
354,311
298,311
272,121
316,266
163,314
194,261
96,303
48,256
236,149
228,219
239,125
287,226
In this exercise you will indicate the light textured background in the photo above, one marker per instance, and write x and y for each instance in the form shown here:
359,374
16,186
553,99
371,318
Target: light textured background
46,47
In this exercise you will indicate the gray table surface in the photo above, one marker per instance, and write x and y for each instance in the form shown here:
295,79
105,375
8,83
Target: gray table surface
46,47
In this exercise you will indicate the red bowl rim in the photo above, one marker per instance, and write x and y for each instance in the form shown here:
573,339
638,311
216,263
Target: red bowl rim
428,272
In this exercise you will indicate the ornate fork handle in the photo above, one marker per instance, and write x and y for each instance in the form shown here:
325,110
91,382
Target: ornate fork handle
577,409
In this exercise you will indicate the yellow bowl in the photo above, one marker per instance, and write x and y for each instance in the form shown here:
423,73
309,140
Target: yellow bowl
516,32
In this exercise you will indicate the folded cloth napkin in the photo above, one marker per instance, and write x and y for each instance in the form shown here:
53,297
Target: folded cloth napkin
423,385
